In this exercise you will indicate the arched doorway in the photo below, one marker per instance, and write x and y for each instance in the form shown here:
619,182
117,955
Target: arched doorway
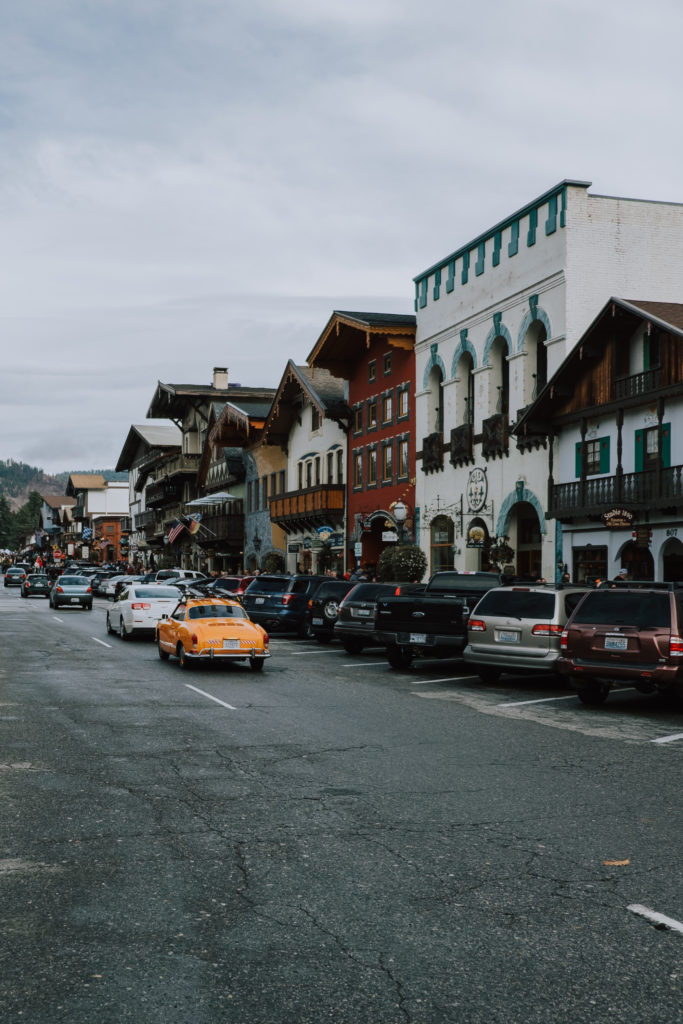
441,534
638,561
672,560
527,543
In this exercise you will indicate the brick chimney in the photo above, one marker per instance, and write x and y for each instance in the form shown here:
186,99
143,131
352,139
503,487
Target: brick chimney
220,378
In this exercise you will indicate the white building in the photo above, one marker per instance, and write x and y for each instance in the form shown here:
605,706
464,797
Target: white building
614,412
495,319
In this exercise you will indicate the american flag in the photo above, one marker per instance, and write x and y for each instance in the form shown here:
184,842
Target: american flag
176,529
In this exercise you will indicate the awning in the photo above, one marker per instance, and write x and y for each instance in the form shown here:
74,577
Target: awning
210,499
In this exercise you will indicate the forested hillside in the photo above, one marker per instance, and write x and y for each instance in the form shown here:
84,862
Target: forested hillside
17,480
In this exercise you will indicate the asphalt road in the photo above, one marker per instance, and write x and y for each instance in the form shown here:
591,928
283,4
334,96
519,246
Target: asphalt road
326,841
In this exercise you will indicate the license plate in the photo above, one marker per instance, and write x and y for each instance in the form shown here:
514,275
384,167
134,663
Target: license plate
75,600
508,636
418,638
616,643
362,613
231,645
259,600
316,622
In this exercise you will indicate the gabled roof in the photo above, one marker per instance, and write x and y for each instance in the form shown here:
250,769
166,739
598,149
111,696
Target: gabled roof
85,482
172,400
58,500
628,313
347,336
147,436
301,385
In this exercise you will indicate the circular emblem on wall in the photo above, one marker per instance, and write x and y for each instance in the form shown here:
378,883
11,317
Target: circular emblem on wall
477,489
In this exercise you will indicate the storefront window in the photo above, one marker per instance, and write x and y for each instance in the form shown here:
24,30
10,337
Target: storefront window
589,564
441,543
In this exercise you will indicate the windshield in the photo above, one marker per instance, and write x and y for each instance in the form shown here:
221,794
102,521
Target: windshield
268,584
72,581
155,592
217,611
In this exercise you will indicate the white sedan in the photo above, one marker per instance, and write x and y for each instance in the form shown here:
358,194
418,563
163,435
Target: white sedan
139,607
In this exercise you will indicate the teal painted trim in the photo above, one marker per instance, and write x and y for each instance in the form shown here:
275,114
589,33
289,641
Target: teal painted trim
450,280
551,222
499,330
434,360
533,225
535,313
423,292
481,259
559,558
465,267
563,207
513,244
559,189
437,284
521,494
464,346
417,295
497,242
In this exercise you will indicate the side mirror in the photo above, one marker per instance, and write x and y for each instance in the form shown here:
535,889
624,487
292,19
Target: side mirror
164,616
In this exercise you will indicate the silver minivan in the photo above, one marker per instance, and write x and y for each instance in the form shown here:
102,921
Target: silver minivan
518,629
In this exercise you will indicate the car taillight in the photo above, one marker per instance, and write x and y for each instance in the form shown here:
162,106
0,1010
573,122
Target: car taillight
194,639
266,639
476,625
140,604
27,584
310,603
564,640
89,590
60,590
675,646
397,592
546,629
287,598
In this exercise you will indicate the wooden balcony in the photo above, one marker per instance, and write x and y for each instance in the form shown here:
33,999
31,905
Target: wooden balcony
180,465
462,445
650,489
637,384
494,441
308,509
144,519
163,493
227,528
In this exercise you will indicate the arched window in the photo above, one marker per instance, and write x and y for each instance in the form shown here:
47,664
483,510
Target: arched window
441,535
464,389
536,367
435,420
499,399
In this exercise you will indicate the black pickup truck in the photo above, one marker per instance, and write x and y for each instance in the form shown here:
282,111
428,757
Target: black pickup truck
433,623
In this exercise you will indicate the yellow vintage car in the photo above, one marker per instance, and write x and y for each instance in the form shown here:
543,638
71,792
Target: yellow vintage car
208,629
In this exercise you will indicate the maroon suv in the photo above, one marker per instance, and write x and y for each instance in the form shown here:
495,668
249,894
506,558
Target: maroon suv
624,633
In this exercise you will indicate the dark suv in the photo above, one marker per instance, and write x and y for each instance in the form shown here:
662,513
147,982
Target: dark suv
625,633
324,606
280,603
355,624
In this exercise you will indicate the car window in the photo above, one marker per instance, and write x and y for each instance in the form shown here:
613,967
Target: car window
617,608
124,595
300,586
268,585
179,612
572,600
217,611
155,592
517,604
72,581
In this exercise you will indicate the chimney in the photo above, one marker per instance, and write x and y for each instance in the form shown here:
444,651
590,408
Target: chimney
220,378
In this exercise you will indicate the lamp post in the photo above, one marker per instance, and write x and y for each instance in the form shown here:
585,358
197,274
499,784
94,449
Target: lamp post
400,512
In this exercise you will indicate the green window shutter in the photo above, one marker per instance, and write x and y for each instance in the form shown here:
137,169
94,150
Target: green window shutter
577,459
666,445
640,441
604,454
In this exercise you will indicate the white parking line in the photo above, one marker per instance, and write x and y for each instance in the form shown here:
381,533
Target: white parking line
538,700
669,739
222,702
447,679
100,642
653,915
364,664
56,619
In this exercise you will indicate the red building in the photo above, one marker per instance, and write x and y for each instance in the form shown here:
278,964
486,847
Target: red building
374,352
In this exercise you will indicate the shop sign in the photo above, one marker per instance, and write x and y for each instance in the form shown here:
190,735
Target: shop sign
293,549
476,536
389,535
324,533
642,536
477,489
336,540
617,518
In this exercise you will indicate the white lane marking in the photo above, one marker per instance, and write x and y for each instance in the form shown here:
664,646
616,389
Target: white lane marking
669,739
319,652
447,679
653,915
364,664
56,619
538,700
100,642
222,702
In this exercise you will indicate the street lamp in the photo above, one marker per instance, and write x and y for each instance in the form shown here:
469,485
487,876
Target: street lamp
400,512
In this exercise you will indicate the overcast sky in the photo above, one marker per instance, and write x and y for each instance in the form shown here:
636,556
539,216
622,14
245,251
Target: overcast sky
192,183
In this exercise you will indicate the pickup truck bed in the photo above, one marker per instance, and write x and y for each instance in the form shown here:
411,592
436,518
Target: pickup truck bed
433,623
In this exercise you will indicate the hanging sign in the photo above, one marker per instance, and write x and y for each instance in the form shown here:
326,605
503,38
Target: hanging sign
617,518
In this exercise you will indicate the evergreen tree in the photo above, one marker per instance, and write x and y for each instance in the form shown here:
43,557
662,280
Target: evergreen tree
5,522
